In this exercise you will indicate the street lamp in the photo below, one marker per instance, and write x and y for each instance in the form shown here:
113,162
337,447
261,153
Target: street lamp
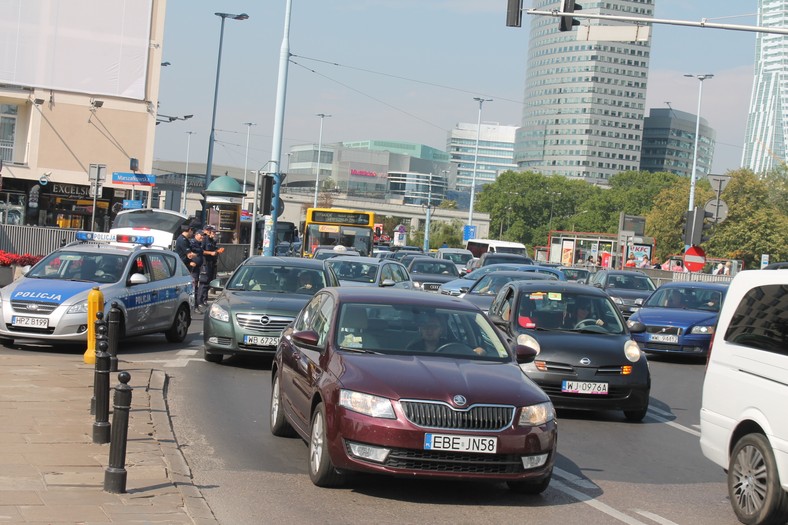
552,202
209,163
319,152
701,78
246,160
186,175
429,214
476,156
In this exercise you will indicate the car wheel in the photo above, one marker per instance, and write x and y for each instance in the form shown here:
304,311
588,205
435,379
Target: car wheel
530,486
637,415
180,325
211,357
279,425
754,484
321,469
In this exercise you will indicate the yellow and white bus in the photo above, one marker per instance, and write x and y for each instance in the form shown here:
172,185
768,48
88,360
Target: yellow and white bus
352,229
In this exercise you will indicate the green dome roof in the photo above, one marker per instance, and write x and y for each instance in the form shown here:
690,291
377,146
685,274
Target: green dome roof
224,184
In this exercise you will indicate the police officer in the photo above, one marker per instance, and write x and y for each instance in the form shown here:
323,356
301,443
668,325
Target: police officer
195,265
183,245
210,253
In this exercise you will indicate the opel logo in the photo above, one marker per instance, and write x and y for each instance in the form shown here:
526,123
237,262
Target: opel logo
264,320
459,400
585,361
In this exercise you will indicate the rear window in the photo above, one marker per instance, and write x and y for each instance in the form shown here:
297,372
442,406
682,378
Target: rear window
761,320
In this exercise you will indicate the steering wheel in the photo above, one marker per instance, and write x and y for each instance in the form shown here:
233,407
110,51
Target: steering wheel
455,348
586,322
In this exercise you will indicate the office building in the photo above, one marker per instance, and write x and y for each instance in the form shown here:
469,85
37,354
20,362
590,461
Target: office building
669,143
496,152
584,99
764,139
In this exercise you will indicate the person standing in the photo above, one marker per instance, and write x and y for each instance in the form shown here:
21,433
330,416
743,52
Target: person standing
631,262
210,254
183,245
196,261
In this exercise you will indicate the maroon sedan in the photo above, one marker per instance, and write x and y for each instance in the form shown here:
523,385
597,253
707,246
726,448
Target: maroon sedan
411,384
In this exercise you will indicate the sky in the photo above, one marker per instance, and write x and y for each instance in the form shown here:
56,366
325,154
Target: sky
407,70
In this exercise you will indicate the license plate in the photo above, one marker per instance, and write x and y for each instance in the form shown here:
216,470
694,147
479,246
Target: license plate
583,387
454,443
33,322
664,338
256,340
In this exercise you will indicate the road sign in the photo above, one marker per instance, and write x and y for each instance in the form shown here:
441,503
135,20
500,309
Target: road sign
718,208
131,204
468,232
694,258
718,182
764,260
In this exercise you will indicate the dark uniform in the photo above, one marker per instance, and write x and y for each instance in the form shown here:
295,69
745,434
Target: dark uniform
183,246
210,257
195,265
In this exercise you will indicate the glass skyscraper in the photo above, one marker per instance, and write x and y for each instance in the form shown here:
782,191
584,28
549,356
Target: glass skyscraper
584,99
764,141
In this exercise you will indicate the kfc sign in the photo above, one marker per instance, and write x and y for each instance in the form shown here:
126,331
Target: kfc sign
363,173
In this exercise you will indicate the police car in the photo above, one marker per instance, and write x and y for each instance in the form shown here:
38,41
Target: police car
49,304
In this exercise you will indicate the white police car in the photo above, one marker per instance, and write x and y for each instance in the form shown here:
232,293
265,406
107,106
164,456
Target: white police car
152,287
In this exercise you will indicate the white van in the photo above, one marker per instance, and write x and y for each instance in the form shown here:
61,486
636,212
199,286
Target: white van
481,246
743,416
163,225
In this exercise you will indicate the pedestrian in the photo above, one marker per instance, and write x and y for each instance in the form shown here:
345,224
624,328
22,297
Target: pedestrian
211,251
719,269
678,266
183,244
655,264
631,262
727,270
196,261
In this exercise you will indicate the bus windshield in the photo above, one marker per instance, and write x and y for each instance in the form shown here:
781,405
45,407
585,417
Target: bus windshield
338,227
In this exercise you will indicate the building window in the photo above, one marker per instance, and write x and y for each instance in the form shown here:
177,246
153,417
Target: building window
7,129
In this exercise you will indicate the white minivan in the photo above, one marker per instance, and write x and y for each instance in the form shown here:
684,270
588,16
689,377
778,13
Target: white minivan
743,416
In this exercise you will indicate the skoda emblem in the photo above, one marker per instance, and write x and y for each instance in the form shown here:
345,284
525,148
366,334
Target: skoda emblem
264,320
585,361
459,400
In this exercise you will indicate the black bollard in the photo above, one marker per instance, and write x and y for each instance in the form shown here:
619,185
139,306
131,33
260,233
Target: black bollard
101,428
98,322
115,474
114,336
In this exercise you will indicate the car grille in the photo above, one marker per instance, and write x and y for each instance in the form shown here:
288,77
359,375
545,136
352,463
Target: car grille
459,462
263,324
30,330
667,330
33,307
428,414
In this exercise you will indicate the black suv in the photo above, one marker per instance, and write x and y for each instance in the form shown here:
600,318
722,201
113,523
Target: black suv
625,287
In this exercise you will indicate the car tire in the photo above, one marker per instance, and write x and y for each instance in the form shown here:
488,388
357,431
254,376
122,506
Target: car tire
279,425
754,483
530,486
321,469
180,325
212,358
636,415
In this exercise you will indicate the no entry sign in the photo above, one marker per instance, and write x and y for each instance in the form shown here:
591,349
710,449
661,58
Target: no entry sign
694,258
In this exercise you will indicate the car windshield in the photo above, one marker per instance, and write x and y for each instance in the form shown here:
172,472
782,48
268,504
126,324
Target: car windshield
574,274
571,311
80,266
484,270
458,258
686,298
631,282
491,283
436,266
411,329
277,279
360,272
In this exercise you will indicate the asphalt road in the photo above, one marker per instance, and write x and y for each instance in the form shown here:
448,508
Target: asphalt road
608,470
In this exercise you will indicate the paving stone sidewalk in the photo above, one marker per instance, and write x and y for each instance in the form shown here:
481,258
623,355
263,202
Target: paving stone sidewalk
52,472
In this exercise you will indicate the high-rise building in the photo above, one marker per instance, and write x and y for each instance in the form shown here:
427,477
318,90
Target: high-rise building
584,99
669,142
496,151
764,140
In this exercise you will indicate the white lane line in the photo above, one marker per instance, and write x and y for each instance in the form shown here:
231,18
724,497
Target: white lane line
655,517
171,363
675,425
574,479
186,352
598,505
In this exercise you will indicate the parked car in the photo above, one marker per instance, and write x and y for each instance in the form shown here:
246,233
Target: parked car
370,271
428,273
627,288
399,384
680,318
485,289
322,253
49,304
463,284
261,298
743,421
586,358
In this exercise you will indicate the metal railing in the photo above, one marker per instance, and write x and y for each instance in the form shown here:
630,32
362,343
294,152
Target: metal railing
35,240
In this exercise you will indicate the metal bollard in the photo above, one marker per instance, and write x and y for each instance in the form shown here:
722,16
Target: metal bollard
114,336
98,325
101,427
115,473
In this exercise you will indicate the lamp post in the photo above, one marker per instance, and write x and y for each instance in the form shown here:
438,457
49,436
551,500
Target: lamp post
552,202
693,176
186,175
209,163
319,152
481,101
429,214
246,160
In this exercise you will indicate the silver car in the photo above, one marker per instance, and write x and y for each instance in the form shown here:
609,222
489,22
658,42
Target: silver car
370,271
49,304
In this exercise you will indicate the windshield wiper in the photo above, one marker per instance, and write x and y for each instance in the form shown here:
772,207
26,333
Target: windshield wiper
359,350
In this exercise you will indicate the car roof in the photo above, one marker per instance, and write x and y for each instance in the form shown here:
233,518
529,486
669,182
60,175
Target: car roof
721,286
558,286
516,273
372,295
116,249
261,260
623,272
358,259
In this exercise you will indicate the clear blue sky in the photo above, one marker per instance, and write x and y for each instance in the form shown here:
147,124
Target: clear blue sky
408,70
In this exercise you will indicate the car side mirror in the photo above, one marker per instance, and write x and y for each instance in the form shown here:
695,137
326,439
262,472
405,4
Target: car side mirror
307,337
464,289
497,320
26,269
598,285
138,278
387,282
639,301
524,354
216,284
636,327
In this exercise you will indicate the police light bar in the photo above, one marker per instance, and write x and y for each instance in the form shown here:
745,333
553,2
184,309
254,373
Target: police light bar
145,240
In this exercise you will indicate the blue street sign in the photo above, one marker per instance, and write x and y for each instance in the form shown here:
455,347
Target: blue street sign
129,204
136,179
468,232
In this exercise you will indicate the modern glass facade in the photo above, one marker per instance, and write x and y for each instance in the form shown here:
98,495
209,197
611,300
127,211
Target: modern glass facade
669,143
764,140
584,100
496,152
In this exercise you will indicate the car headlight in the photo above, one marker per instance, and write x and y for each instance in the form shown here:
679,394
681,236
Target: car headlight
219,313
702,330
79,308
367,404
536,415
617,300
527,340
417,284
632,351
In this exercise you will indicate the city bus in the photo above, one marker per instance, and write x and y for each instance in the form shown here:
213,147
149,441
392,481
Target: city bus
335,226
481,246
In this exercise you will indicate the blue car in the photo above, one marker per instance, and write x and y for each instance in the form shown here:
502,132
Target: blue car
463,284
680,318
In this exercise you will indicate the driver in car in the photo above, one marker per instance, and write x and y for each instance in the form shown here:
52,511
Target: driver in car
582,312
431,336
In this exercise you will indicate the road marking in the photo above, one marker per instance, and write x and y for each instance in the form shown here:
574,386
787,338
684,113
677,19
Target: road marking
186,352
171,363
579,481
655,517
657,414
592,502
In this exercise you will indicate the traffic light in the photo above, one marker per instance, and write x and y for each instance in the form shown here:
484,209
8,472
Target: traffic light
567,22
686,231
514,13
700,228
266,195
